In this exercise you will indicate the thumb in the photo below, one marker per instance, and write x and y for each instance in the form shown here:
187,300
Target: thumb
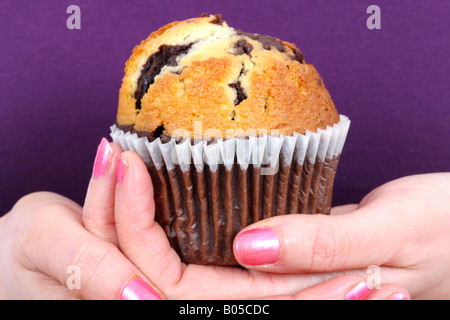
318,243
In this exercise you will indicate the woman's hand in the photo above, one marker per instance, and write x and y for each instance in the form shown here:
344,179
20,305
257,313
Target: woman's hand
120,208
402,228
46,253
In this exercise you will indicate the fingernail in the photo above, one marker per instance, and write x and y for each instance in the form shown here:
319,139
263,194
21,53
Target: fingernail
257,247
102,158
121,169
398,296
358,292
138,289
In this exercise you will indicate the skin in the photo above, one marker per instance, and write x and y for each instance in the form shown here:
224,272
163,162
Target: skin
114,237
41,237
401,227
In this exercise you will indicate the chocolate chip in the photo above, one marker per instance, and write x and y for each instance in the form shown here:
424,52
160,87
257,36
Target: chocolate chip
218,20
159,131
166,55
267,41
242,46
240,94
298,55
178,72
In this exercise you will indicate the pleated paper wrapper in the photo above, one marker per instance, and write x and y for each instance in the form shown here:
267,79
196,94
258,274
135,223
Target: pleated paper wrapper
206,192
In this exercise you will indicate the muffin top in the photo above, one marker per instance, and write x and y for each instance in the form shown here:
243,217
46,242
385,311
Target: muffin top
202,77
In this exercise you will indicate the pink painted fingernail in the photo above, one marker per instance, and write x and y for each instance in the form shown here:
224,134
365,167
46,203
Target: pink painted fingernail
398,296
138,289
257,247
122,166
358,292
102,159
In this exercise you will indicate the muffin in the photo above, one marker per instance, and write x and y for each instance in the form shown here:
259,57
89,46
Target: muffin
234,127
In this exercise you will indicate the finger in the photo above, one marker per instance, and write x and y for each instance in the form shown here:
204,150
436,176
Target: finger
56,244
98,209
141,239
389,292
347,287
318,243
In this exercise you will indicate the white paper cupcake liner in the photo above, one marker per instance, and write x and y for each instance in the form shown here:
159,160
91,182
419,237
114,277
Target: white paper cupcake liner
206,192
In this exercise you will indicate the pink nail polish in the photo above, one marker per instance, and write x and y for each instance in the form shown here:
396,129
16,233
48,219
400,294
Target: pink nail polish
398,296
121,169
258,247
138,289
358,292
102,159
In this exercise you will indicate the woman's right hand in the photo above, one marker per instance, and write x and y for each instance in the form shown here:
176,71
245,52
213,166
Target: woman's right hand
47,253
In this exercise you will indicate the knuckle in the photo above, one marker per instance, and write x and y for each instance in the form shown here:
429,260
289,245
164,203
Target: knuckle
330,246
38,205
91,257
28,201
89,253
47,215
33,218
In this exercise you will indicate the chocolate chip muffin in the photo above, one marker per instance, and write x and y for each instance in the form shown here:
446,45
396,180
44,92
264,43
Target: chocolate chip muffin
234,127
203,70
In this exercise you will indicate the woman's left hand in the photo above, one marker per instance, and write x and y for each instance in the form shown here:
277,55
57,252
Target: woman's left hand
400,229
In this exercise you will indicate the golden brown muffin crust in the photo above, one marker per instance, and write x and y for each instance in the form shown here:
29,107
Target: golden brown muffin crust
202,70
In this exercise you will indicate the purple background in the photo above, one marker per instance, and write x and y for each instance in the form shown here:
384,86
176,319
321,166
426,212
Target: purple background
59,87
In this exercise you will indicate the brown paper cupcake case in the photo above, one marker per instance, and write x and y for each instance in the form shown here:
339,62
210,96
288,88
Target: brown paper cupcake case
205,193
